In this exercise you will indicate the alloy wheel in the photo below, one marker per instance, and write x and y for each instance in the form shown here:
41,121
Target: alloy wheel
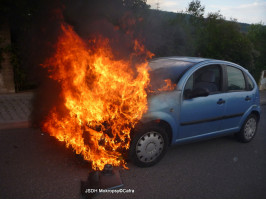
250,128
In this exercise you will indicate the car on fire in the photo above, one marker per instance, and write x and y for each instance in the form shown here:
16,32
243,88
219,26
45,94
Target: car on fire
202,99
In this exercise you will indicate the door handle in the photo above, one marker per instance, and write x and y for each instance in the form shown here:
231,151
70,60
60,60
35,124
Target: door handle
247,98
221,101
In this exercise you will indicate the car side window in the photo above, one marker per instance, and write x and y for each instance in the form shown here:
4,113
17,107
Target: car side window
208,77
236,80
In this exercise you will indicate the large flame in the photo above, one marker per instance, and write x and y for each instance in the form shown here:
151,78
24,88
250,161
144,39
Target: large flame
103,100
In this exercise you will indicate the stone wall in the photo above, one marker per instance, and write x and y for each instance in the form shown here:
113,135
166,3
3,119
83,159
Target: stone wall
6,70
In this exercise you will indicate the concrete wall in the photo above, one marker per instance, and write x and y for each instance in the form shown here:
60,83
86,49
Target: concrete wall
6,71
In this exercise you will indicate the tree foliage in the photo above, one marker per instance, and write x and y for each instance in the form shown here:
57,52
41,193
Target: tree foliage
222,39
196,9
215,37
135,4
257,36
34,29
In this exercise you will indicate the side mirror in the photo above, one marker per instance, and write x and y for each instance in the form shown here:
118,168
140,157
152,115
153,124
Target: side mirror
199,92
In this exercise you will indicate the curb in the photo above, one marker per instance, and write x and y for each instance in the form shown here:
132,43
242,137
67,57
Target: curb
15,109
15,125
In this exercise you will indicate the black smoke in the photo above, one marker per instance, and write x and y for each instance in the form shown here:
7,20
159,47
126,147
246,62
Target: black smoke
36,26
89,19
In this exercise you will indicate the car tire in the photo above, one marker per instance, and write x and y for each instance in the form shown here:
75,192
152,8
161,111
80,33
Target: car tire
249,129
149,145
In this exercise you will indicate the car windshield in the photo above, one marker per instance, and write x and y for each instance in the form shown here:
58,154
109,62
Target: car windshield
165,73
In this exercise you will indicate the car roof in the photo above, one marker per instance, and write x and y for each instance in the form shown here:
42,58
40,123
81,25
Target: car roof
186,61
175,62
180,58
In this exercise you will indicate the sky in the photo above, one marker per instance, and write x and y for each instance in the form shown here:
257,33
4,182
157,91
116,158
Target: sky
247,11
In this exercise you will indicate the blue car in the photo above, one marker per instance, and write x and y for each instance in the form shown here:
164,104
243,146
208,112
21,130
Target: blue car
193,99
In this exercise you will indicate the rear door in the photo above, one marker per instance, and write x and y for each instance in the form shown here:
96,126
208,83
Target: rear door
239,96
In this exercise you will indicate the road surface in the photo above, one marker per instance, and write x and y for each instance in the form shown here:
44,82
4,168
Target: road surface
35,165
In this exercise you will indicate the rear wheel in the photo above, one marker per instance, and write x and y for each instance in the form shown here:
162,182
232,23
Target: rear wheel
148,146
249,129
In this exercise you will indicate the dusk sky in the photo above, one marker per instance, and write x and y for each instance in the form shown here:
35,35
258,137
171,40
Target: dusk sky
247,11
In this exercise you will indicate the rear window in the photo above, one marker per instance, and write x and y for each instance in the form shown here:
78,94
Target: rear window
236,80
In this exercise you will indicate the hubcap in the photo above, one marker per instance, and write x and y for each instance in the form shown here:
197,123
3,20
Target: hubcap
149,146
250,128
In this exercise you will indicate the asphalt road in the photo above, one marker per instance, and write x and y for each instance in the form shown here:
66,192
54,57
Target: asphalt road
35,165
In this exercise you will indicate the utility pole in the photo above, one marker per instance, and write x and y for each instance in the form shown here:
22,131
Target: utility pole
158,5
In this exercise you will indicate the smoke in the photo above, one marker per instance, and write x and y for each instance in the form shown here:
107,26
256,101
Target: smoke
121,23
89,19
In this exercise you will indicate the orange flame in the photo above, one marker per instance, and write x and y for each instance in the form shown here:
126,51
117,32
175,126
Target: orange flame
169,86
103,100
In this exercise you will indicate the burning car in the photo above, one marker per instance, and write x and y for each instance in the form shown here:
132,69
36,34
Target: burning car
193,99
109,105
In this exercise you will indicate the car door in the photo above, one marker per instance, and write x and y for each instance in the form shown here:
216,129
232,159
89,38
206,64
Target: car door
239,96
202,115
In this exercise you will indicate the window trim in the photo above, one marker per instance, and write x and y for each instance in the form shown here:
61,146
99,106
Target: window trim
247,85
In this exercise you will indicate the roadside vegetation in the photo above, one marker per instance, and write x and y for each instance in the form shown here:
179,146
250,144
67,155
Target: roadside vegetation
184,33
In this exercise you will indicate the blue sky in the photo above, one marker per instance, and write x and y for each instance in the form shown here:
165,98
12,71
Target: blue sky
247,11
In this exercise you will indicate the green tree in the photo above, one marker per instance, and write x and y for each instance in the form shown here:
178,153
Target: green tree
215,37
135,4
257,35
195,27
195,9
222,39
